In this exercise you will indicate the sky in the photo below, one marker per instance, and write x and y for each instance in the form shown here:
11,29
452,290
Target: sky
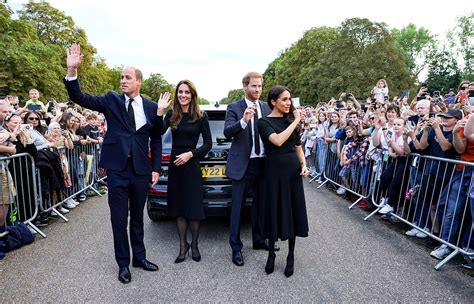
215,43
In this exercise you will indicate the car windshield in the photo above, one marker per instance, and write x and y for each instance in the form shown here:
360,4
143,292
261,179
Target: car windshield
216,124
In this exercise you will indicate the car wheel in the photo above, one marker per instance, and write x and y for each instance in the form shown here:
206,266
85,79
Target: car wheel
155,217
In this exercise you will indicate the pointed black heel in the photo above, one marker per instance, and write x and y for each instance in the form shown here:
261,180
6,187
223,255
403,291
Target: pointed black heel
180,257
196,257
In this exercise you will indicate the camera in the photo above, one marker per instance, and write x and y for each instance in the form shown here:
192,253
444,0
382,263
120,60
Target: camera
339,104
348,95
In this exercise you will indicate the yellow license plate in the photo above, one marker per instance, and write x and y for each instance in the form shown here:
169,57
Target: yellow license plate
216,171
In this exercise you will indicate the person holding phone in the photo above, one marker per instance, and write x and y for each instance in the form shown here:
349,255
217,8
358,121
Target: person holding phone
283,208
393,178
34,104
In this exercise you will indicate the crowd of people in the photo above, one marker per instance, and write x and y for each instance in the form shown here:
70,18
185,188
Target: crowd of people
57,137
340,139
343,139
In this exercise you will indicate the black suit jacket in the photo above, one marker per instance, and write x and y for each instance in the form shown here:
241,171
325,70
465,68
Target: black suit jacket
239,153
121,141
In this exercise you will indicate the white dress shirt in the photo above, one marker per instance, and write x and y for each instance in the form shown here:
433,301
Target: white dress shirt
140,118
139,112
244,124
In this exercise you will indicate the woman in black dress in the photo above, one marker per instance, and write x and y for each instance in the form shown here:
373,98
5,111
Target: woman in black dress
187,123
284,208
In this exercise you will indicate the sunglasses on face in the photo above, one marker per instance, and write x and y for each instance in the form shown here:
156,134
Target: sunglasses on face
33,118
372,118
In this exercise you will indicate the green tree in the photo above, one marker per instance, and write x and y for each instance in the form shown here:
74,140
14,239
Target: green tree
155,85
53,27
415,44
443,71
461,39
233,95
350,58
203,101
292,66
25,62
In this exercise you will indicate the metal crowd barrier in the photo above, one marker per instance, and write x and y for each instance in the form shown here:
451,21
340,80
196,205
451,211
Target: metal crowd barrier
19,192
434,196
82,166
357,178
21,195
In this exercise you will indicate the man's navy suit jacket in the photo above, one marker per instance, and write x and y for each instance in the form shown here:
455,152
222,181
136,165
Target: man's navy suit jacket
239,154
121,141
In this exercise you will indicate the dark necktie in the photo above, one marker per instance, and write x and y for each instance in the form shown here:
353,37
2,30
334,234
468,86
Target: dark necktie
131,114
256,137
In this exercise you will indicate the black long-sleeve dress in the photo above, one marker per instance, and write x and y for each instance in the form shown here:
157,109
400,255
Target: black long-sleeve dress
283,207
185,181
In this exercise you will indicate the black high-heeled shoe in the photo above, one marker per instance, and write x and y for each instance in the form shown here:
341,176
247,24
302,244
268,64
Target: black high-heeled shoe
180,257
270,266
196,257
290,264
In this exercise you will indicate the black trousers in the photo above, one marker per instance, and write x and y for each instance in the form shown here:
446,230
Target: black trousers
127,191
252,181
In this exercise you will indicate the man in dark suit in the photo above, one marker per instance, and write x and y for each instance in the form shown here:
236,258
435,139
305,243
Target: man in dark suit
245,161
133,129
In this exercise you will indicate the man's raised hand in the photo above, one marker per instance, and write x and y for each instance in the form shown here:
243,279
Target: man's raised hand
74,57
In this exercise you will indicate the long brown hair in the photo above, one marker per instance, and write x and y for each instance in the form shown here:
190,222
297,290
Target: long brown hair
193,111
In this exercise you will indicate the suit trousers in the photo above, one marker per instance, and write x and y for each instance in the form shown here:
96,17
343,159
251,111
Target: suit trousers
253,182
127,191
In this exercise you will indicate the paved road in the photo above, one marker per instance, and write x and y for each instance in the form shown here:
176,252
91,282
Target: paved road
343,260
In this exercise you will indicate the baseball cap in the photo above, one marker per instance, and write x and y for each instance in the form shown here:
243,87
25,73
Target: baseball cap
452,113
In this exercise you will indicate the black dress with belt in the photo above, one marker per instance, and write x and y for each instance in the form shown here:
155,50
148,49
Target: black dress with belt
185,181
283,207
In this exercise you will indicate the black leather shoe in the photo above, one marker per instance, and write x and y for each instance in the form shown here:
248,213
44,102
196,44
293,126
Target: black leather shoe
237,258
264,246
145,264
124,275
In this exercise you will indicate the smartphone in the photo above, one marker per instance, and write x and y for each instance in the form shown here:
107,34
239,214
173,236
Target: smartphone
389,135
385,98
33,107
410,124
339,104
25,126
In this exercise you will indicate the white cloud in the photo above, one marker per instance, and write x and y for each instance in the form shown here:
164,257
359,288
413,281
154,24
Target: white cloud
214,43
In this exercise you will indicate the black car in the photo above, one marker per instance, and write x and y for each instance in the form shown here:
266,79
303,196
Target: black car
216,188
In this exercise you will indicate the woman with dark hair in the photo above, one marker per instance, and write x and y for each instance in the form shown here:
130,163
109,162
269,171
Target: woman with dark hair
283,208
34,118
187,123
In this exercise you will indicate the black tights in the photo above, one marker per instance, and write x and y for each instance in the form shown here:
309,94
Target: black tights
182,224
291,247
290,259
